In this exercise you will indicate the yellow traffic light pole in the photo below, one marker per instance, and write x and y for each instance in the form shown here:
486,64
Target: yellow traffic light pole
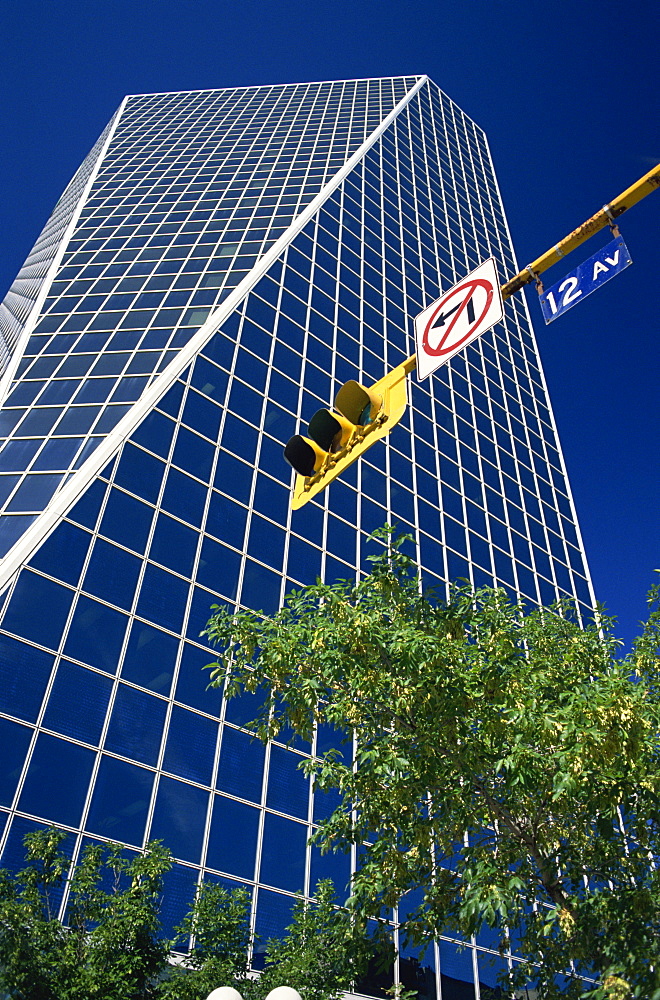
391,392
607,216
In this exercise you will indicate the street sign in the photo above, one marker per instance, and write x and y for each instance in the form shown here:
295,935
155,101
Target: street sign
457,318
585,279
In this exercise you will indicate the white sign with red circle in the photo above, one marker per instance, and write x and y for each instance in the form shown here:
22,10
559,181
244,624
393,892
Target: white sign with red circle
457,318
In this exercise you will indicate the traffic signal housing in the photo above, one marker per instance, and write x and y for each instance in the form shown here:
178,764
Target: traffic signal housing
360,417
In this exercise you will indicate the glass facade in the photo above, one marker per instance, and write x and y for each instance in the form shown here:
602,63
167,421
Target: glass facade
222,262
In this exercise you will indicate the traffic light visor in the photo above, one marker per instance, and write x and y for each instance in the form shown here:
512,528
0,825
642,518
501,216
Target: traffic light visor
359,405
330,430
304,455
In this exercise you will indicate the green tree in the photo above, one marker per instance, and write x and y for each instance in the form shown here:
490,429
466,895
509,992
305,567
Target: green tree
115,936
30,933
476,715
219,932
320,956
111,946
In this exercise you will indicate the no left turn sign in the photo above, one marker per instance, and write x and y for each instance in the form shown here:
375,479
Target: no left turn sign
457,318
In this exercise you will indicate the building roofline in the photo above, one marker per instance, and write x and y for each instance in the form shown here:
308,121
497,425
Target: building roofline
67,494
292,83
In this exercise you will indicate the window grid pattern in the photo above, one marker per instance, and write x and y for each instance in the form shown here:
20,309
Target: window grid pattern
22,295
194,510
192,190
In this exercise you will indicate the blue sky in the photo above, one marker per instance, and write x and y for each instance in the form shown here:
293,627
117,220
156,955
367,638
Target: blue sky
567,93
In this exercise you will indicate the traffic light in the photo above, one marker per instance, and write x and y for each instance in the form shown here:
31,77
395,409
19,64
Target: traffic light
339,436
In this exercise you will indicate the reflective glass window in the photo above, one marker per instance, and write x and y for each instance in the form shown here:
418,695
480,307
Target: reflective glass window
286,393
111,364
150,657
120,801
109,417
373,516
179,886
341,538
9,419
479,551
17,455
126,520
7,484
304,562
162,598
136,725
240,771
261,588
174,545
272,499
24,394
13,856
34,492
63,553
24,674
233,837
112,574
193,680
226,519
201,609
328,737
77,702
245,708
273,917
325,804
57,780
457,977
526,581
210,379
14,742
288,788
491,967
96,634
92,390
277,420
193,453
86,510
184,497
202,415
333,865
139,473
219,568
33,591
240,438
58,453
283,853
266,541
179,818
171,401
190,747
458,568
246,402
417,965
452,503
155,433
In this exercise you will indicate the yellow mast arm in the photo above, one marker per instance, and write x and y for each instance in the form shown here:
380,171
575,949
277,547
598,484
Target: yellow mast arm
649,182
605,217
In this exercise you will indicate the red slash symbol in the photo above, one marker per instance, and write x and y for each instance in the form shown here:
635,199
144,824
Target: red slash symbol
442,314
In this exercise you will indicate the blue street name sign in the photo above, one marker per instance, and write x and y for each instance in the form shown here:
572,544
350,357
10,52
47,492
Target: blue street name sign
585,279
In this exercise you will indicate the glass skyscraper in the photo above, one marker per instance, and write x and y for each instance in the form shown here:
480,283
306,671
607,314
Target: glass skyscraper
219,265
